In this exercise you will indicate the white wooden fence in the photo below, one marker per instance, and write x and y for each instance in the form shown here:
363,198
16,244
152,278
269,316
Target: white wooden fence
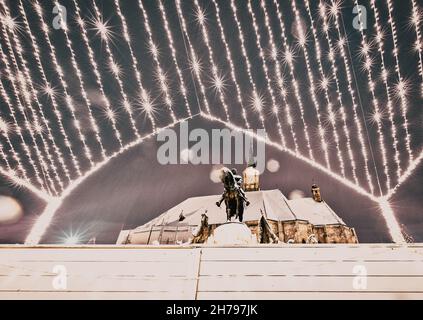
382,271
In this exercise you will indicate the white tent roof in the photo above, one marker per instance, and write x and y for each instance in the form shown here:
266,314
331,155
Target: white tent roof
272,202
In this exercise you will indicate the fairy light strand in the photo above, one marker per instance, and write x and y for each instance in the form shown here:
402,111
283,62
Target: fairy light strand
145,98
26,122
390,109
241,37
351,92
171,45
326,87
161,75
341,45
416,19
98,77
279,76
20,168
111,59
37,55
33,92
291,68
231,63
316,104
68,99
5,159
275,107
375,102
211,55
87,102
195,63
21,80
402,94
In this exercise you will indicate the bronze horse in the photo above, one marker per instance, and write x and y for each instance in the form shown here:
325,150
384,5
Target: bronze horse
233,196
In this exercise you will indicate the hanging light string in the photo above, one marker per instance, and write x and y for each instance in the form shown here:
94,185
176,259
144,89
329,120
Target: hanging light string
3,155
375,102
289,60
164,86
401,86
99,80
302,41
4,130
416,18
51,95
87,102
255,97
275,106
211,55
195,62
68,99
35,128
171,45
279,77
31,92
325,84
342,43
231,63
146,102
385,74
102,30
26,122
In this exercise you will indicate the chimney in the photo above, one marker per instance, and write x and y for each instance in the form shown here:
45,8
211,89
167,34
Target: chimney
315,190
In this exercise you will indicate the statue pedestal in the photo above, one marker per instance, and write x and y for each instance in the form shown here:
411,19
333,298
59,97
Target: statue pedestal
232,233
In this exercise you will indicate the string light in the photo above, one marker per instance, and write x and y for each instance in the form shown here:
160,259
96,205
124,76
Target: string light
401,82
316,104
324,85
416,18
51,92
334,12
105,36
275,107
406,174
84,94
23,80
182,86
69,103
231,63
279,76
5,131
195,62
255,95
162,77
211,54
135,64
374,102
38,127
289,58
111,114
27,124
379,40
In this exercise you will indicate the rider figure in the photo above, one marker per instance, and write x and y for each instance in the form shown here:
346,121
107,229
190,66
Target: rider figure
231,191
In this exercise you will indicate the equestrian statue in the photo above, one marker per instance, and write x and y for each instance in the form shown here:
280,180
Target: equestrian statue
233,194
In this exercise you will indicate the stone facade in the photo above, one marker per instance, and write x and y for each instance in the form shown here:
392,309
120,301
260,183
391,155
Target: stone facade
299,231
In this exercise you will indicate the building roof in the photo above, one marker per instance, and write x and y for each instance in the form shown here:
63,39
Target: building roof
272,202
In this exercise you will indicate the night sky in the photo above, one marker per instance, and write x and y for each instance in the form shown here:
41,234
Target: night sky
133,188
